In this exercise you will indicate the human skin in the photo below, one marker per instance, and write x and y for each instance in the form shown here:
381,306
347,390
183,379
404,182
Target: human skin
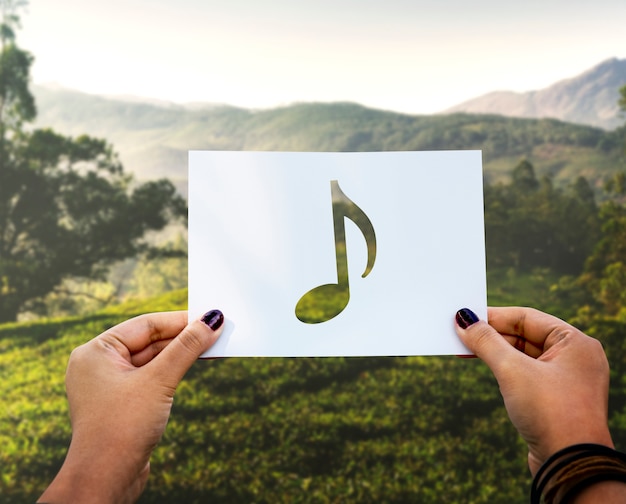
120,389
554,380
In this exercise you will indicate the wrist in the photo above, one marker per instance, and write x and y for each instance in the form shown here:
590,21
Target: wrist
607,492
97,477
575,469
561,435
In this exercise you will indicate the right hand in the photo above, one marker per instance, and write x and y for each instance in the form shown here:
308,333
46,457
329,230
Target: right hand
554,379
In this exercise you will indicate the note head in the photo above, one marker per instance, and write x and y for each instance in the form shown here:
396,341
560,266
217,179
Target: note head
322,303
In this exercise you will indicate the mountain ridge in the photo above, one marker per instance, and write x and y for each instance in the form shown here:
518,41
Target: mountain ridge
588,98
153,140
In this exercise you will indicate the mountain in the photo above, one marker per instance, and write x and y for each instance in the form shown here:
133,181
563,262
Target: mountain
589,98
153,139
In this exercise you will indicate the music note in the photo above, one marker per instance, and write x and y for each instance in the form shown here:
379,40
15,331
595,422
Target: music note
325,302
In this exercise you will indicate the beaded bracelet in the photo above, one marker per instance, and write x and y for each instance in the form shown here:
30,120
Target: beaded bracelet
573,468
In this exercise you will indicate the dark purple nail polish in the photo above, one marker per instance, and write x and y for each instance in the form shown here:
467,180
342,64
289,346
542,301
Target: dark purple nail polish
465,318
214,319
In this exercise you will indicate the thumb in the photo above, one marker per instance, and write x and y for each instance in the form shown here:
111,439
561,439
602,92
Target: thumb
484,341
195,339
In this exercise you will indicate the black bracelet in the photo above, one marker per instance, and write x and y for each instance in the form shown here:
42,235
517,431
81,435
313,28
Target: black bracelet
573,468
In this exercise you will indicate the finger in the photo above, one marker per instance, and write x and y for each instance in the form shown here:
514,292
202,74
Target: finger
484,341
196,338
538,328
150,352
140,332
523,345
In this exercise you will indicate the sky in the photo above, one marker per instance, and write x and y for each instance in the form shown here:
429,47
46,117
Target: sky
411,56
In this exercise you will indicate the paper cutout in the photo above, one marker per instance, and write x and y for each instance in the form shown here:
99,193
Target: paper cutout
331,299
262,233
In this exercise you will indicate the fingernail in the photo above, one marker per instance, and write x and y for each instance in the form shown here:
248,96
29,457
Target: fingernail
465,318
214,319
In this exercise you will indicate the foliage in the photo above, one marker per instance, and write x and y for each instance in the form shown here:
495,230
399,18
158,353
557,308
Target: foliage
158,274
62,199
16,102
411,429
530,224
281,430
405,429
140,277
601,284
337,430
540,288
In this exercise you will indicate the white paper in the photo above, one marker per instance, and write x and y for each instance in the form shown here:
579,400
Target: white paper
262,234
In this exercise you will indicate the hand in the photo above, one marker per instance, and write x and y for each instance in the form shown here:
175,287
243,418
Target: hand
120,388
554,379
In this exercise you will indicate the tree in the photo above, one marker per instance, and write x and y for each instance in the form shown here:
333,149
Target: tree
67,208
524,178
530,224
16,102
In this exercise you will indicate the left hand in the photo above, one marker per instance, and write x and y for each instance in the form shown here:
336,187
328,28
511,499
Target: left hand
120,388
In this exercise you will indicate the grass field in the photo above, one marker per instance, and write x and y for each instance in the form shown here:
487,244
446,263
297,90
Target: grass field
277,430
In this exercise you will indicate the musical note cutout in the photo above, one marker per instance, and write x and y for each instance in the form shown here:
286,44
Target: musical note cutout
325,302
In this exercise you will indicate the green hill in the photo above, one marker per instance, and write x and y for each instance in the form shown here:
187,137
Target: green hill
290,430
153,140
277,430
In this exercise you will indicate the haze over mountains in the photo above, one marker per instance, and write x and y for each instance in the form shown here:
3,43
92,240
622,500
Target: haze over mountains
153,138
589,98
